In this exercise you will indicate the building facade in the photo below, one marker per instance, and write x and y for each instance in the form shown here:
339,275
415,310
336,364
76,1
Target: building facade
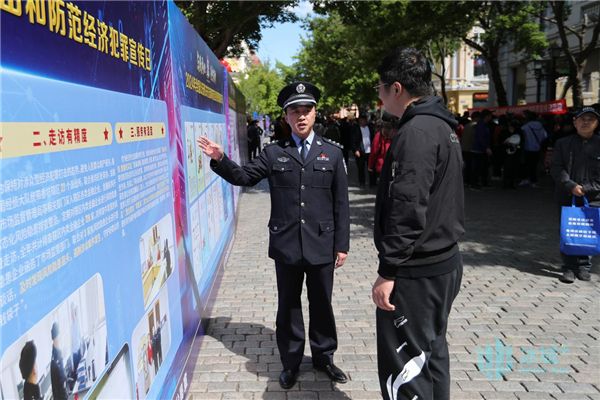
466,78
532,81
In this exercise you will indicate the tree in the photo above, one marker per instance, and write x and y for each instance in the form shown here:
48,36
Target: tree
437,51
260,85
347,45
506,22
224,25
336,59
576,59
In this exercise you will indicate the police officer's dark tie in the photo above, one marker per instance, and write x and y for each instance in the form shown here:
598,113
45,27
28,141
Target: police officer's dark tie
304,150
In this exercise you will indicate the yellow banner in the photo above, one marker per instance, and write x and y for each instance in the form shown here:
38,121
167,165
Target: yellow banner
18,139
137,131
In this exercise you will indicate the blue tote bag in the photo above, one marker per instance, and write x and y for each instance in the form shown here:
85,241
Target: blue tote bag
580,230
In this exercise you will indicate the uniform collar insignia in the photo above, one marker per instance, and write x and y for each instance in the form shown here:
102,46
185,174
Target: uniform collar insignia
319,142
287,143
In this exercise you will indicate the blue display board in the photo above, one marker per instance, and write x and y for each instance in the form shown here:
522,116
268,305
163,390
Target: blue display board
112,226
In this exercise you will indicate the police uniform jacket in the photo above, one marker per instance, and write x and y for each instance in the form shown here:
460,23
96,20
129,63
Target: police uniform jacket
309,200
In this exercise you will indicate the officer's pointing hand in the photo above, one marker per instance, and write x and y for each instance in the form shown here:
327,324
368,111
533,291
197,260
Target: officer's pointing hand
210,148
382,290
340,258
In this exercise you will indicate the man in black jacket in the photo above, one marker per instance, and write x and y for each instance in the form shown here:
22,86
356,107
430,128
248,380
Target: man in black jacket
309,229
418,220
576,172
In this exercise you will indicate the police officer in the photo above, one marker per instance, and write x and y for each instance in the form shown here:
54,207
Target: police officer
309,227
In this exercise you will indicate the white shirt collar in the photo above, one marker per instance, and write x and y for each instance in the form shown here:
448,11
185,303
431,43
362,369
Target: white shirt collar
309,139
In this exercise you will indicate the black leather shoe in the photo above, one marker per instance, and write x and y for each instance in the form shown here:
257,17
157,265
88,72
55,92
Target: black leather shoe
287,379
333,372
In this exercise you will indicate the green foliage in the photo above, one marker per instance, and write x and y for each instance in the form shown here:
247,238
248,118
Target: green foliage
260,85
335,58
225,24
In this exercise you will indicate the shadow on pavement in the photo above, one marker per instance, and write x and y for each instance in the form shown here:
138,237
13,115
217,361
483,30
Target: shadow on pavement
256,345
508,228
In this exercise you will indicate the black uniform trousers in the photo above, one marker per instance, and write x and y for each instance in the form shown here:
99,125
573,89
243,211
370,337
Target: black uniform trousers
412,352
290,324
362,165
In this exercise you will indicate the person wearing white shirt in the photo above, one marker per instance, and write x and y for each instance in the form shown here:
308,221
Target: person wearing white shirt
361,146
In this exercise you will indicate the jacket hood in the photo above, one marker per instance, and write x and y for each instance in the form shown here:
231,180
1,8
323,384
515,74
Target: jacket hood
429,105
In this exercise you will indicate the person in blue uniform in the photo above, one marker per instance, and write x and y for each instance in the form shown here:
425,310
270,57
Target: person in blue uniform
309,227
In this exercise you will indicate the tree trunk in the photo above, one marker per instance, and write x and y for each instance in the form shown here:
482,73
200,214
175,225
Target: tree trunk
443,82
494,69
577,88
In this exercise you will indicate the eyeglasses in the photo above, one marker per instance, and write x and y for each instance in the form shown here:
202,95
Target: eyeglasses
376,87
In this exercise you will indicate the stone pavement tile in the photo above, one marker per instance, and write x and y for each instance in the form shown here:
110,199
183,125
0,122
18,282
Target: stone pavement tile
508,386
222,387
274,396
520,377
303,395
204,396
196,386
592,377
252,386
238,396
498,395
475,386
316,386
208,377
535,396
241,377
364,376
362,395
585,388
544,387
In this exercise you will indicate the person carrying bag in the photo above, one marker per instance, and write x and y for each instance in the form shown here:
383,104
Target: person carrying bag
576,173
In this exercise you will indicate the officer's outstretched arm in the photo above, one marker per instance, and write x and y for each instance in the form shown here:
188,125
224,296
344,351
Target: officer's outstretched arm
248,175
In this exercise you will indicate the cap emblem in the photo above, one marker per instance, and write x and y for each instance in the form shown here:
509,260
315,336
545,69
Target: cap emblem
300,88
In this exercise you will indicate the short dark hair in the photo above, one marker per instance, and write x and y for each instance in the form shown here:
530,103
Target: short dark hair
27,360
410,68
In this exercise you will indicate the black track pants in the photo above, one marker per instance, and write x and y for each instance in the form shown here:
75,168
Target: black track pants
412,352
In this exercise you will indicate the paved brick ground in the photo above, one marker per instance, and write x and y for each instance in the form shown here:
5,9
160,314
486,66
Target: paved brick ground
515,331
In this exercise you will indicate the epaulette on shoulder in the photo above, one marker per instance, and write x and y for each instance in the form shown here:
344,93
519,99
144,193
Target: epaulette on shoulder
332,142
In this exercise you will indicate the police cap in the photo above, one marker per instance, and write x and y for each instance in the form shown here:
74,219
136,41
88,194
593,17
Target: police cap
298,93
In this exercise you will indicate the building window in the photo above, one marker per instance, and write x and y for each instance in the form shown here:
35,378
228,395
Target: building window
586,82
479,68
592,10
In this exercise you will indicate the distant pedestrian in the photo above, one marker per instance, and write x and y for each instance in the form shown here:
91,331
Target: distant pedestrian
534,136
362,138
418,220
254,135
482,150
576,172
381,143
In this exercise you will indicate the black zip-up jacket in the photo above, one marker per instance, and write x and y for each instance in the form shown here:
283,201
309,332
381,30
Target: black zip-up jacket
576,161
419,211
